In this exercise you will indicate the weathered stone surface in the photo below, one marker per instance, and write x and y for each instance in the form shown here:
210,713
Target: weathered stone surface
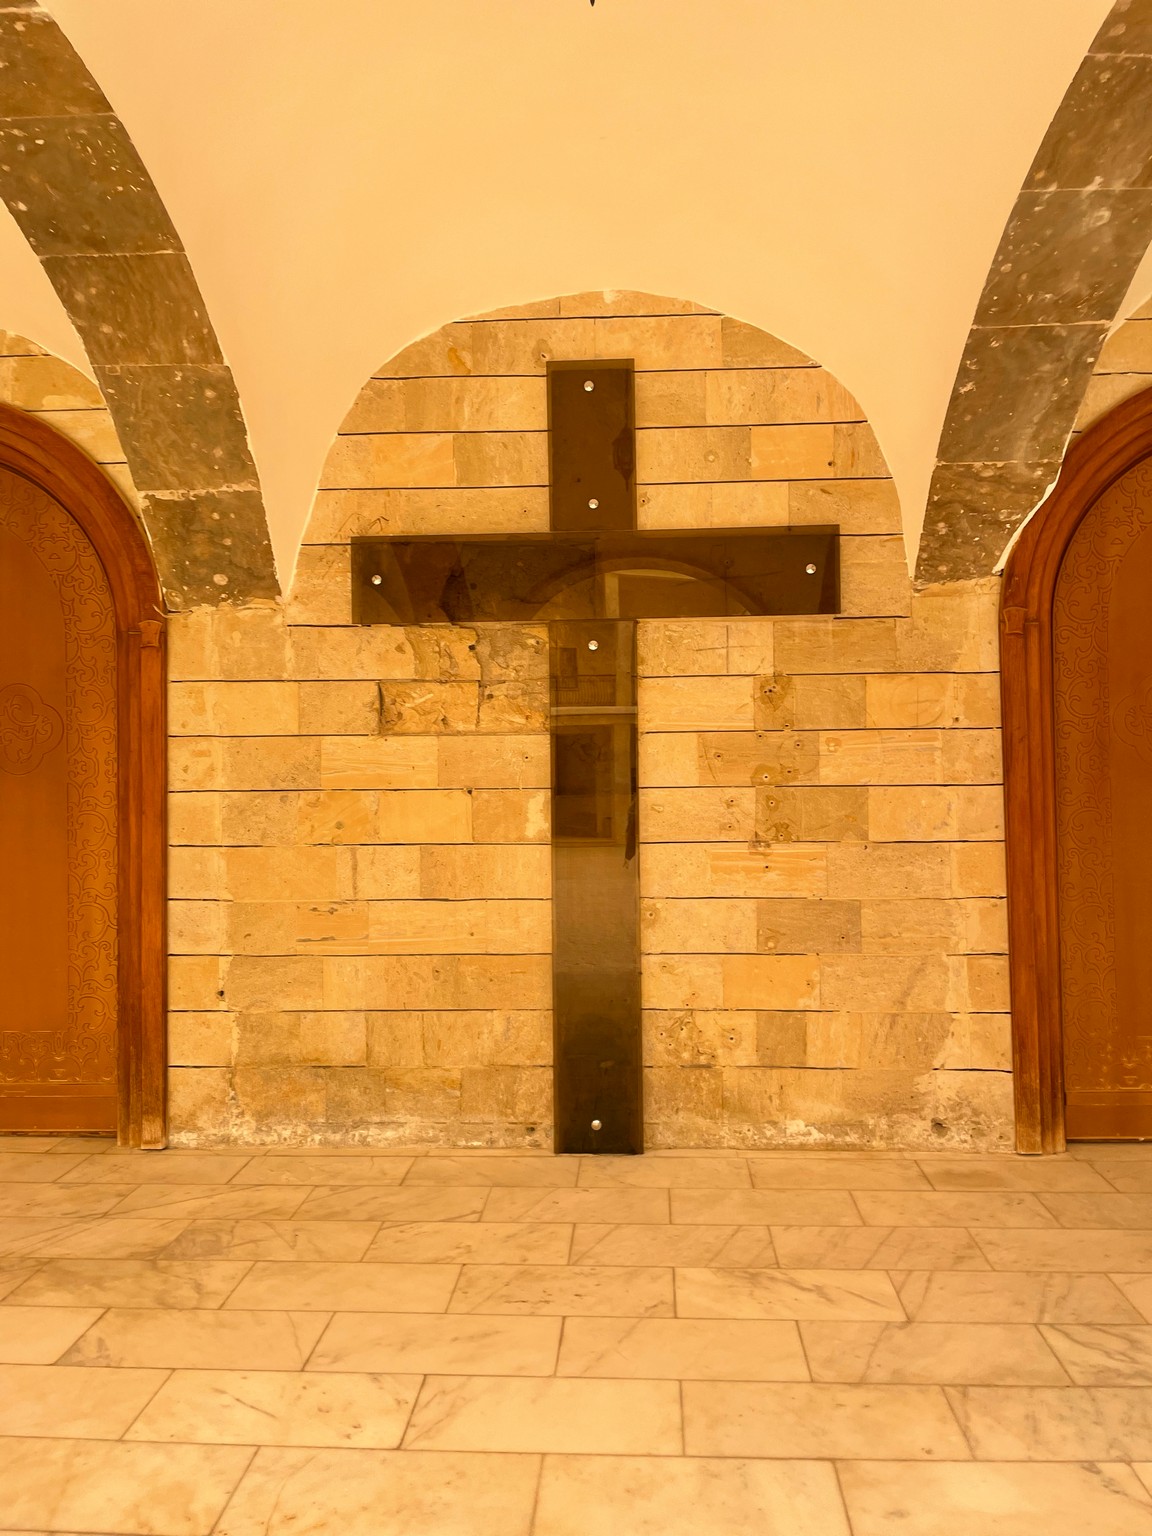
43,76
141,308
181,426
188,530
973,510
1066,253
1096,140
77,185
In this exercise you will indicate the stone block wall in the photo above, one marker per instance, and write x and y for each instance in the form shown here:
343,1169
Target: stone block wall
361,924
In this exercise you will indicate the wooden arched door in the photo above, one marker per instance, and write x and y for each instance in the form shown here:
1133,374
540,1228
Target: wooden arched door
81,799
1077,676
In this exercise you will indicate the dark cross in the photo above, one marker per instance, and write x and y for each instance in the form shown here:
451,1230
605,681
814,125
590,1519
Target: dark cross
590,579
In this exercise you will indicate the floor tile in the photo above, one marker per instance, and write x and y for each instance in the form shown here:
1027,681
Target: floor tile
1097,1499
877,1248
383,1493
302,1168
800,1419
472,1242
246,1341
320,1287
438,1344
851,1295
364,1203
171,1167
39,1168
765,1207
1104,1356
59,1200
1128,1176
1012,1173
743,1247
543,1413
551,1172
133,1490
680,1348
70,1402
799,1172
881,1208
1067,1250
997,1297
1055,1423
194,1201
1100,1210
931,1354
687,1497
129,1283
40,1335
335,1241
16,1272
1137,1290
602,1205
114,1237
591,1291
278,1408
664,1173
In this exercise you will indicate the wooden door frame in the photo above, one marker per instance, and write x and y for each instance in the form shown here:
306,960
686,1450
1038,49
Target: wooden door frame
1106,451
38,453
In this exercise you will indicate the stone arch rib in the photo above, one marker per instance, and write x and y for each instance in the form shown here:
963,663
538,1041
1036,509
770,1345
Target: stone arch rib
87,206
1076,234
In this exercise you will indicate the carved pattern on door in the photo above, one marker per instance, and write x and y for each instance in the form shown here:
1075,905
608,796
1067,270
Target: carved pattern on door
83,1050
29,729
1097,1053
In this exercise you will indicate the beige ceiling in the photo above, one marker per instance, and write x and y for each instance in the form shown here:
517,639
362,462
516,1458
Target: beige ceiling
351,174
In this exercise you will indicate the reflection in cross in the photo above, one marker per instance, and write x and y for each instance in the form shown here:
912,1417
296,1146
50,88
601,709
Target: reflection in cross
590,579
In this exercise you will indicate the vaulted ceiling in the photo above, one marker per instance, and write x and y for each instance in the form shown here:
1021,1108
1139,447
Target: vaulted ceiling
347,176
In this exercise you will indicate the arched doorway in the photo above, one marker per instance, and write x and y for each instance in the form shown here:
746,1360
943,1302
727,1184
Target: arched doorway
82,753
1076,641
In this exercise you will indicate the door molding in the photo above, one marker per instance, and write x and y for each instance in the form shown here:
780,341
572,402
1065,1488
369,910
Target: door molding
1106,451
38,453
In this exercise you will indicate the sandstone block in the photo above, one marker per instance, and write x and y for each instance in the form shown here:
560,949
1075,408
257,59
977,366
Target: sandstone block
321,591
390,872
854,506
717,926
494,762
792,452
410,982
270,762
695,1037
953,628
423,816
260,817
496,1094
340,709
195,762
428,708
396,1039
196,872
978,869
427,927
669,758
682,981
355,1098
196,983
191,647
509,815
498,870
449,405
771,981
880,757
871,870
513,707
288,874
265,983
249,642
762,396
670,399
279,1099
378,762
676,455
200,1039
196,927
782,1038
836,645
891,982
757,758
527,346
856,451
874,577
980,983
811,814
300,1039
390,459
695,704
499,458
972,757
659,341
829,703
921,926
834,1040
421,1094
194,819
962,813
917,1042
719,504
696,815
507,1037
199,1101
233,709
682,1107
362,652
800,927
745,346
701,869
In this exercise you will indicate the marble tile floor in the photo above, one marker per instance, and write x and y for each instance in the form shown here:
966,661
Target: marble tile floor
423,1343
